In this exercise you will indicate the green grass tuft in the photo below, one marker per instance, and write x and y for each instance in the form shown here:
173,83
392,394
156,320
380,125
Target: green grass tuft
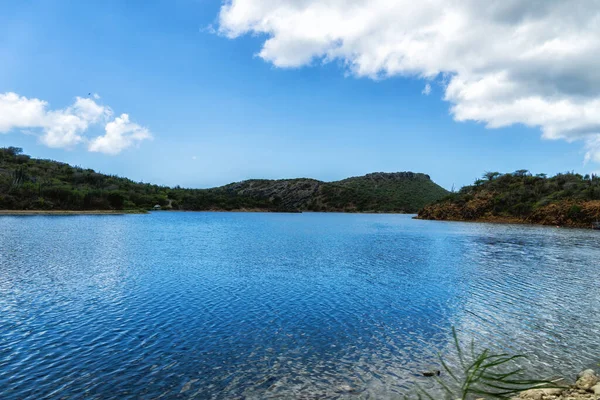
481,374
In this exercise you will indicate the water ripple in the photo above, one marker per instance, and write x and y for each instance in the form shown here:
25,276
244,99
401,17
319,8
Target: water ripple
260,306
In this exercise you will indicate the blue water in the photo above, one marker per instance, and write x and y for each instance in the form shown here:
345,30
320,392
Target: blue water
236,305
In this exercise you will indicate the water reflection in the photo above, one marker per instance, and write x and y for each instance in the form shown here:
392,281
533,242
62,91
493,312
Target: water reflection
216,305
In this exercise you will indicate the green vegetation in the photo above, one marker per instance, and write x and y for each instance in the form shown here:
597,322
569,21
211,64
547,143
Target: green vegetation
399,191
565,199
482,374
33,184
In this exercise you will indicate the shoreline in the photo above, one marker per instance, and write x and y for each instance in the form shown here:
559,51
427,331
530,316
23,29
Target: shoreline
68,212
258,210
125,212
507,221
586,387
493,220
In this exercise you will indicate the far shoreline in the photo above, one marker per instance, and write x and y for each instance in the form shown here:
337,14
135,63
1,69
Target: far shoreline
69,212
242,210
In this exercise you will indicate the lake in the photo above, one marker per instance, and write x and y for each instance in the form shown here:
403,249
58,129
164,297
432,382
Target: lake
258,305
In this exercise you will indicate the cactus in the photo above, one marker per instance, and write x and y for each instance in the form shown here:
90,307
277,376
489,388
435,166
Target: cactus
18,177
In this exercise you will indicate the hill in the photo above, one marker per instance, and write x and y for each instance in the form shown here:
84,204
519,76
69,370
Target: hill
29,183
566,199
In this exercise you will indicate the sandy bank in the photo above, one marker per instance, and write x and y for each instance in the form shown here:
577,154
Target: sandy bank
68,212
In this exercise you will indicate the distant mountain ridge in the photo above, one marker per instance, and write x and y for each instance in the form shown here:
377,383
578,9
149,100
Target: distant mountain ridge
374,192
28,183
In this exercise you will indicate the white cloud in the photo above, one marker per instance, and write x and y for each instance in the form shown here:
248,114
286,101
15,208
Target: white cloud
502,62
61,128
426,90
592,145
20,112
96,96
120,134
64,128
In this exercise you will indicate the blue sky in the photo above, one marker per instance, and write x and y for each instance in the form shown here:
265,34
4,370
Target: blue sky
218,113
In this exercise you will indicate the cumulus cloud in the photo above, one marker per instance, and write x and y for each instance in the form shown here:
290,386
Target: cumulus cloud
502,62
20,112
64,128
120,134
60,128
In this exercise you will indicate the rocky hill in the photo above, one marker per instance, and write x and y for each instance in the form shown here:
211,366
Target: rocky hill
28,183
376,192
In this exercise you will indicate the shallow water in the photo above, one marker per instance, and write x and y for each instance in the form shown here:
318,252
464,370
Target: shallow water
226,305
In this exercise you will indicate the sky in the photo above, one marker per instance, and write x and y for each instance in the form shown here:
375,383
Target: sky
201,93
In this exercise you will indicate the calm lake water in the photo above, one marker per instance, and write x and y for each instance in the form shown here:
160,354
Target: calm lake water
236,305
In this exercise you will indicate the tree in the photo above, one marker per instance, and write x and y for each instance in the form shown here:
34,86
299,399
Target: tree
490,176
13,151
521,172
116,200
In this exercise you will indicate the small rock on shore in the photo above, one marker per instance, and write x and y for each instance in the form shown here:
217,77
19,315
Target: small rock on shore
587,387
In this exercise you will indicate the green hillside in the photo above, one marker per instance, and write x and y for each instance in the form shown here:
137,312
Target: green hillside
565,199
27,183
